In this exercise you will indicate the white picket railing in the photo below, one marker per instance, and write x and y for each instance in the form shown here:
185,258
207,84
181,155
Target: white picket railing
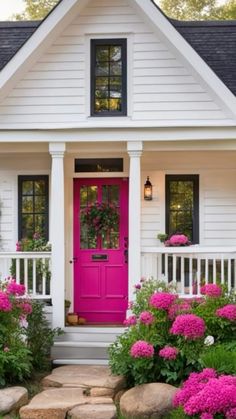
29,268
188,267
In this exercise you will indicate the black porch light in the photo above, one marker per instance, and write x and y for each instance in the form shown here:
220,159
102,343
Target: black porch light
148,190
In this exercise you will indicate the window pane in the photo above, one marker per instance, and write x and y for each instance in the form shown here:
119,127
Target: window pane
102,53
40,224
115,87
101,105
115,53
102,69
116,69
27,204
115,104
40,204
40,187
27,226
27,187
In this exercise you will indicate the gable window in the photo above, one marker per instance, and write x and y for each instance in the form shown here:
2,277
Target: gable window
32,206
182,205
108,77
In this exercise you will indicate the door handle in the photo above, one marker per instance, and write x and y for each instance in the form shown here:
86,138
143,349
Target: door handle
73,260
126,255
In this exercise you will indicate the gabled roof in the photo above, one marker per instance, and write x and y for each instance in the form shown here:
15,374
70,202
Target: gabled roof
175,34
215,42
12,36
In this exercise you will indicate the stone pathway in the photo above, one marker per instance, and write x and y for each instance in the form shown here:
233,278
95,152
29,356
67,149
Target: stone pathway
77,392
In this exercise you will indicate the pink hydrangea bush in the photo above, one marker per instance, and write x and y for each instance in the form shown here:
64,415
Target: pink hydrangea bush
178,240
168,334
211,290
205,393
14,310
189,326
227,312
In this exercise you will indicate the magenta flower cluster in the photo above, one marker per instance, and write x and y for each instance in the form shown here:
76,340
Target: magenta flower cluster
206,394
177,240
189,326
5,304
146,318
162,300
130,321
15,289
168,353
142,349
227,312
175,309
211,290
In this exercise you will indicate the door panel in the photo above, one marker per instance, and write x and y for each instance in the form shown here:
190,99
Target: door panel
101,270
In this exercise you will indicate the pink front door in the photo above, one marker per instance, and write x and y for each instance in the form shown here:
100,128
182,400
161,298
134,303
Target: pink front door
101,258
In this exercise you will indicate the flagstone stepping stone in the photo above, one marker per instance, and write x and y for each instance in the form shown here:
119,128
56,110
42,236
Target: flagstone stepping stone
149,401
101,411
98,378
12,398
54,403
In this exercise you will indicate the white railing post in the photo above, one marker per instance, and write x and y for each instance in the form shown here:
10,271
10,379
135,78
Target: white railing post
135,151
57,151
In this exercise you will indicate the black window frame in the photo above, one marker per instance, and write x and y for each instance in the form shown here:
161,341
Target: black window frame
113,42
21,179
195,180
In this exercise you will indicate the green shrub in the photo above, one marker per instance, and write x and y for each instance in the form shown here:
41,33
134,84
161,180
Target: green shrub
220,358
154,347
40,337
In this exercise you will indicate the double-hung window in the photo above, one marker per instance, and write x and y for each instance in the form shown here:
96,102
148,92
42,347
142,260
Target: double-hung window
108,77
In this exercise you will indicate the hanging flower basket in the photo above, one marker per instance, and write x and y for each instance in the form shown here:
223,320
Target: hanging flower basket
100,218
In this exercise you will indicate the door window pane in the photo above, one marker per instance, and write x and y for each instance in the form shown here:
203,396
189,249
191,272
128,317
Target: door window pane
88,197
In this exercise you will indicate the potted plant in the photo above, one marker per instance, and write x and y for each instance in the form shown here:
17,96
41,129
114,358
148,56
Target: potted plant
67,306
162,237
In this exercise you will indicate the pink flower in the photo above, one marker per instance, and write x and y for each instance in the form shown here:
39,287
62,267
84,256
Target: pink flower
130,321
142,349
227,312
146,317
6,349
177,240
206,416
231,413
18,246
14,288
5,304
168,352
25,307
175,309
204,394
211,290
137,286
188,325
162,300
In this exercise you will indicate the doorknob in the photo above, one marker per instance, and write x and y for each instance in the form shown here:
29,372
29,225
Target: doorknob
73,260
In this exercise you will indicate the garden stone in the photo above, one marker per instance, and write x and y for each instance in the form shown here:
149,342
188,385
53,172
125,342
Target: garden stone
101,411
53,403
147,401
12,398
87,376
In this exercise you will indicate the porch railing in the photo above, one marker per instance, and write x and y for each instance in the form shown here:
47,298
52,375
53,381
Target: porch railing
188,267
29,268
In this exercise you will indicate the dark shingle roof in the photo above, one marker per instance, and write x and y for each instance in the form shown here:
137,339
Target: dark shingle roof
215,42
12,36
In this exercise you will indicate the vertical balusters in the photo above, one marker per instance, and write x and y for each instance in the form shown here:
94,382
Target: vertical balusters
34,276
18,271
206,270
26,278
198,274
214,270
182,274
229,275
190,275
174,269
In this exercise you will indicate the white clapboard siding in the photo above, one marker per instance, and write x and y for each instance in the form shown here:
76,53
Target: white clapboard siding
7,210
55,89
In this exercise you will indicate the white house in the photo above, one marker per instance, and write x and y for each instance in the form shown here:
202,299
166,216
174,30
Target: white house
93,99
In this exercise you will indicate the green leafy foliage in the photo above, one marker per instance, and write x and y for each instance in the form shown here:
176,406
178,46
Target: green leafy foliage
221,357
36,9
198,10
40,337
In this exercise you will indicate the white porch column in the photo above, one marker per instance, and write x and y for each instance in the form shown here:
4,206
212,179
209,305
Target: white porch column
135,151
57,151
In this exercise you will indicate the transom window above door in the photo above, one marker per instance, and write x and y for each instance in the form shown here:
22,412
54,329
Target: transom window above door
108,77
182,205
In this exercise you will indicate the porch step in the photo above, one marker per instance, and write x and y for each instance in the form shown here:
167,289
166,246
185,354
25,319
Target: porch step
84,345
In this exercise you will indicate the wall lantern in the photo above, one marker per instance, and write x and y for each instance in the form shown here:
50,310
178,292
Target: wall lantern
148,190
